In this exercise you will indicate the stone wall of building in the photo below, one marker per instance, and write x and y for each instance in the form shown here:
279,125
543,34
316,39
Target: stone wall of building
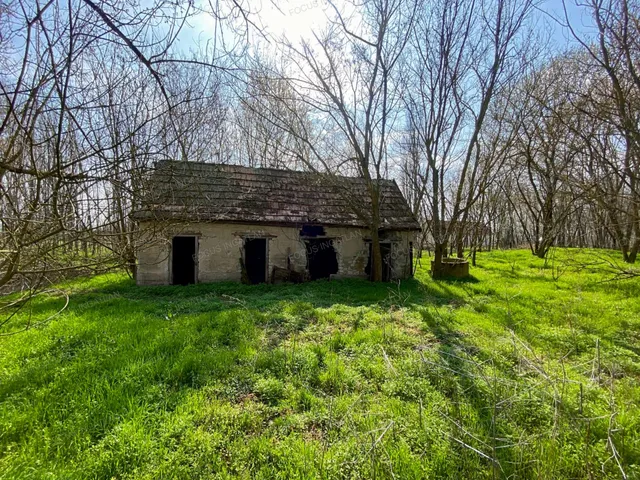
220,250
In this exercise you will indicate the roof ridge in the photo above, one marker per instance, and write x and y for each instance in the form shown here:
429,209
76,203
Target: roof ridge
281,170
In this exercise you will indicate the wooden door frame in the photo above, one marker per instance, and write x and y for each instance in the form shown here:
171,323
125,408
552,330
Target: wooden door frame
392,246
266,252
196,260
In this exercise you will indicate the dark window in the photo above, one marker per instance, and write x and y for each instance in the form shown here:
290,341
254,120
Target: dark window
312,231
183,260
322,260
255,259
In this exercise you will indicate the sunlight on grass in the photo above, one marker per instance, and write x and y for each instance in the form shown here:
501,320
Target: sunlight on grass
530,370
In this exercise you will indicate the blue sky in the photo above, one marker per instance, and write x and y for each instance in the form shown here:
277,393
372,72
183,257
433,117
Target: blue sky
296,18
579,19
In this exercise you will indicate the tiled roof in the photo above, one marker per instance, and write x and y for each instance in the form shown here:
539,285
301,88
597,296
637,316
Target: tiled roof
230,193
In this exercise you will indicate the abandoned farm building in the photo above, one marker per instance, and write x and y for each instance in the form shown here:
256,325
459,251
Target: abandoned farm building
206,222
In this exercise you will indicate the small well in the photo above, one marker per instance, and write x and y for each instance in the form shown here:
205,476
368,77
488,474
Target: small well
453,267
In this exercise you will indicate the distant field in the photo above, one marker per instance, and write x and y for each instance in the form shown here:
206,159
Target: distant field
530,370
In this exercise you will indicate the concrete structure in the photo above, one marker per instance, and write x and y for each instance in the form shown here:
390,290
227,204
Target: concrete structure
216,223
453,267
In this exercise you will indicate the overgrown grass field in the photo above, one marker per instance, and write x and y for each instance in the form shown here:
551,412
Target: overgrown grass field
529,370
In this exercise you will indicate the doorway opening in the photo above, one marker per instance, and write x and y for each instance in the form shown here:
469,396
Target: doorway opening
322,259
183,260
255,259
385,253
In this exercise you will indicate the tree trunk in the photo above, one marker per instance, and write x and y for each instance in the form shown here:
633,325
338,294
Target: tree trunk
635,244
133,268
460,242
624,248
543,247
632,256
438,254
376,256
376,253
130,261
541,252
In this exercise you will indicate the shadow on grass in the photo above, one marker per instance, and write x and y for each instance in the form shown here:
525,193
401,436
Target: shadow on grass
117,329
320,293
123,354
122,306
86,376
456,372
458,281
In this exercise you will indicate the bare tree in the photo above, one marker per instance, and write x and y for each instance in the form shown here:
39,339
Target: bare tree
267,103
462,54
346,77
91,93
544,155
615,51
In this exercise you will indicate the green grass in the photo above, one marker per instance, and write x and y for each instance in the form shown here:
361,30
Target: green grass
529,370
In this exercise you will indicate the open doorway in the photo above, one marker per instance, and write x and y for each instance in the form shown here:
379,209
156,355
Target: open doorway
183,260
385,253
322,259
255,259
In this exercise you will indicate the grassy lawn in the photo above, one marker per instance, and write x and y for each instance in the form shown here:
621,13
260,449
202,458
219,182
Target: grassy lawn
529,370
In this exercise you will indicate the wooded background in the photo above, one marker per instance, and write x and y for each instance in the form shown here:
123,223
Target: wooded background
497,138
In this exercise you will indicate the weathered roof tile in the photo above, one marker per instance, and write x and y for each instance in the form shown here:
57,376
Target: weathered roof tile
214,192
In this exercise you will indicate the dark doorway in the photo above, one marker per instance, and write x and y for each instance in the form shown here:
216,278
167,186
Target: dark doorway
255,259
322,260
385,253
183,260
